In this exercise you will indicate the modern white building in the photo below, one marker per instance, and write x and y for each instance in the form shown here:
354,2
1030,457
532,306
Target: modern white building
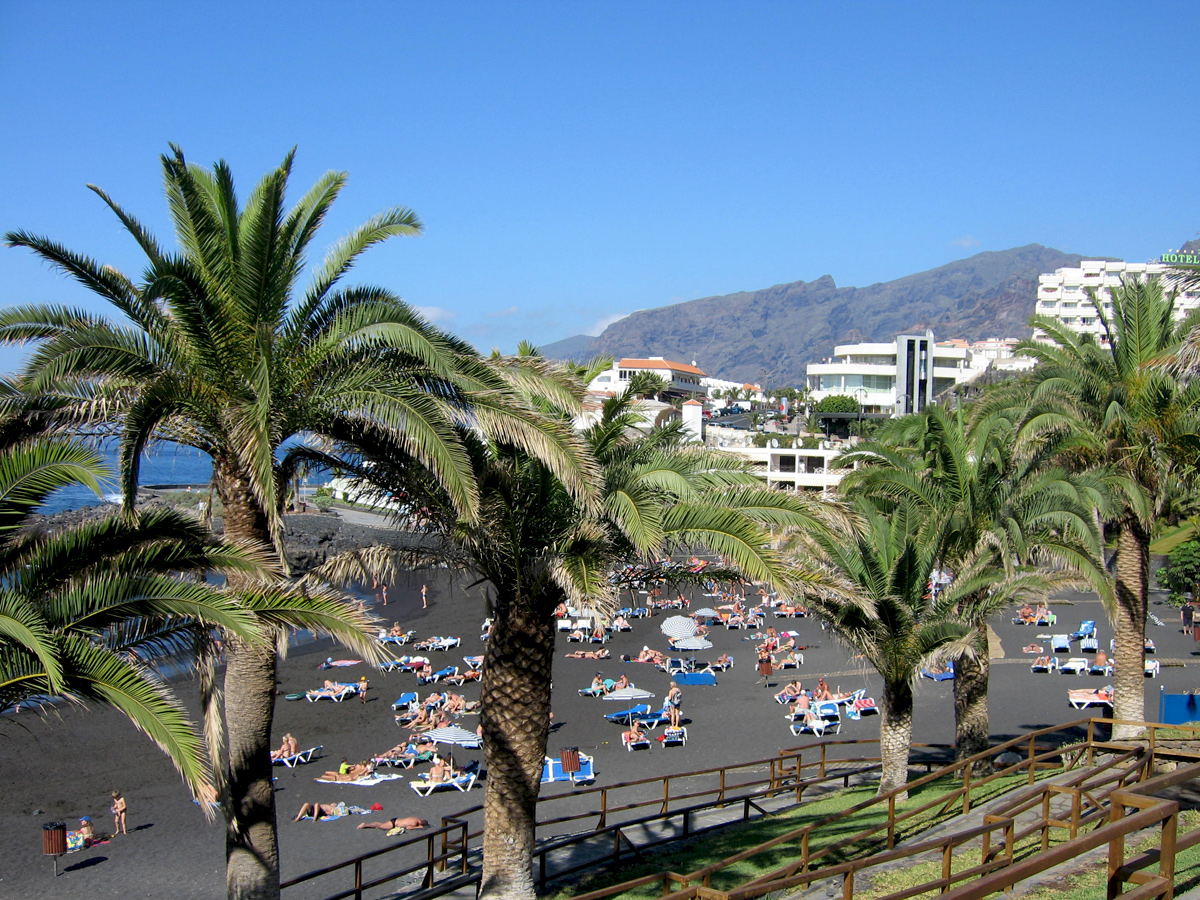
1065,294
899,377
682,379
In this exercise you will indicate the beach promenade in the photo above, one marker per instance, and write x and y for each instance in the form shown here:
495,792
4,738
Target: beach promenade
64,765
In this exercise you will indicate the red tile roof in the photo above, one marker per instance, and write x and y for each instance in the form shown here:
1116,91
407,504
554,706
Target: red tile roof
658,364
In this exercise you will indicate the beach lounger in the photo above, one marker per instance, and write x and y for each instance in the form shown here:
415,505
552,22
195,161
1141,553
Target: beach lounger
584,625
1106,671
673,736
1044,664
1076,665
1087,628
642,743
675,666
865,706
592,692
447,643
1060,643
946,675
1084,699
394,664
463,781
1152,668
406,701
1048,619
1089,644
817,726
396,639
795,662
652,720
625,716
564,625
337,694
1149,646
721,667
412,663
439,675
405,762
571,765
297,759
474,662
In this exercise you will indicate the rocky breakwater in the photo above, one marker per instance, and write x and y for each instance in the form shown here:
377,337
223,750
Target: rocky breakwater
310,538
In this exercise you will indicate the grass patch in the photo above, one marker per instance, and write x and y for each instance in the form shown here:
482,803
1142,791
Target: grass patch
1088,882
714,846
1173,537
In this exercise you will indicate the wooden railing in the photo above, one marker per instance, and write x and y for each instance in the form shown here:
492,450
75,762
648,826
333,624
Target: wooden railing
677,801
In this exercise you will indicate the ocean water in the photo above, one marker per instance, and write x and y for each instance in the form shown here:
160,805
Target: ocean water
166,464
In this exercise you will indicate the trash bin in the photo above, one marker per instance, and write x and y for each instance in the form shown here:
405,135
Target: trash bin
54,839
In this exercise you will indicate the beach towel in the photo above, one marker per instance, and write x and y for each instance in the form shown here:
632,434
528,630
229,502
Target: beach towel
365,781
336,663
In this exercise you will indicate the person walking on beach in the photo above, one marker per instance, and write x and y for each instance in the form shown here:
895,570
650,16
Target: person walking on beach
119,808
383,593
424,596
363,684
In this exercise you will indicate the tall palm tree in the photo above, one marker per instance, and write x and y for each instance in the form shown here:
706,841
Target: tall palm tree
87,611
1113,408
537,543
884,560
1031,522
219,348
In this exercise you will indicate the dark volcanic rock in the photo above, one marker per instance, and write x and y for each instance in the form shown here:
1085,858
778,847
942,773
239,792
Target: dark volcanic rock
772,334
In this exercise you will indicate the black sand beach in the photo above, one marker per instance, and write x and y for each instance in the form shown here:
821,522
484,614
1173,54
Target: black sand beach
63,766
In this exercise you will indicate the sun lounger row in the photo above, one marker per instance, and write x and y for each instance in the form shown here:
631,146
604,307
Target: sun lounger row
670,737
297,759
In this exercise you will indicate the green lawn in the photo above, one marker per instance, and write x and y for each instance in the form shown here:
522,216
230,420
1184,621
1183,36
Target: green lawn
698,852
1173,537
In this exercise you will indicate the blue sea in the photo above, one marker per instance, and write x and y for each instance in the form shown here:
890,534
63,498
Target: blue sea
166,464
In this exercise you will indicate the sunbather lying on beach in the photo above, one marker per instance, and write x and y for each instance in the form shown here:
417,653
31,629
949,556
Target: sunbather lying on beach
348,772
1100,695
647,656
635,733
589,654
1032,648
1042,661
824,693
398,825
316,810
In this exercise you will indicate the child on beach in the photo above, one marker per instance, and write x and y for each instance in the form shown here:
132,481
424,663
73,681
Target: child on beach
119,809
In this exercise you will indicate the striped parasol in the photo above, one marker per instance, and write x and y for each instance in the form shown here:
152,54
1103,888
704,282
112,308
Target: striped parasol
453,734
678,627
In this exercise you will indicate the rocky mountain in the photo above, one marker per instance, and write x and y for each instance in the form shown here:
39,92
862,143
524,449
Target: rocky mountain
770,335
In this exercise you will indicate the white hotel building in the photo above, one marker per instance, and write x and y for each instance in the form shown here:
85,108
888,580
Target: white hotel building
1064,294
899,377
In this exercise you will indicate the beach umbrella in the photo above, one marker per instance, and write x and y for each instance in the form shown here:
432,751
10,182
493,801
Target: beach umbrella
693,644
453,734
706,611
626,695
678,627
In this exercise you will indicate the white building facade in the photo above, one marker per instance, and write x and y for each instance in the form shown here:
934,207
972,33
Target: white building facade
1065,294
681,378
899,377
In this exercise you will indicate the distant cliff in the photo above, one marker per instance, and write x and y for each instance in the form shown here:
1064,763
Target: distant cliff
772,334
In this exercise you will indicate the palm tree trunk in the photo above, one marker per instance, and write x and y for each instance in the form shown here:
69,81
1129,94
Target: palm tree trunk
517,676
251,839
895,737
1129,653
972,730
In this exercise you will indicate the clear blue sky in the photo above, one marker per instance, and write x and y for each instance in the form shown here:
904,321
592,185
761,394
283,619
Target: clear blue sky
577,161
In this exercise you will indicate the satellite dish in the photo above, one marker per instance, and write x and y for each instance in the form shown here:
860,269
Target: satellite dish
775,443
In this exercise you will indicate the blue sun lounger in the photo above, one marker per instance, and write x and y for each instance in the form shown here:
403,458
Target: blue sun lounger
626,715
947,675
1060,643
705,678
552,770
654,719
1087,628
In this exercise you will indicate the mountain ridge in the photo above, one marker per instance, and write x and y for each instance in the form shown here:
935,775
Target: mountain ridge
770,335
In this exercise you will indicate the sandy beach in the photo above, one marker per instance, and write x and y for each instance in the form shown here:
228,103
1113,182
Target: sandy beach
64,765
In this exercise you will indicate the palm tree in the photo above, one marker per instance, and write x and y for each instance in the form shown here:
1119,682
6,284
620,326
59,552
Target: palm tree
220,352
884,560
537,543
86,612
1113,409
1029,522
